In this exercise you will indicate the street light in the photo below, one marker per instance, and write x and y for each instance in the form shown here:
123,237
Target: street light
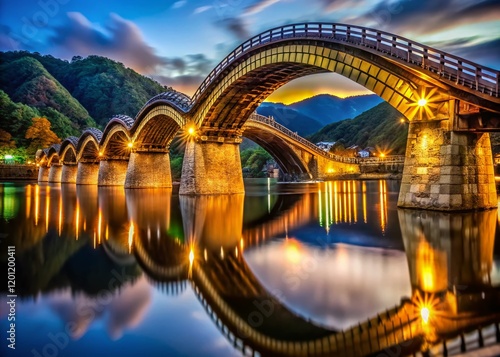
422,102
425,314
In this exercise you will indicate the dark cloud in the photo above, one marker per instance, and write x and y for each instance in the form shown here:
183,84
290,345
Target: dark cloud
121,39
236,26
484,53
428,16
232,15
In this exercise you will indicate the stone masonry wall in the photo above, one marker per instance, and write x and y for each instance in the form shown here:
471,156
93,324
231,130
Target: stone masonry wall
148,170
447,170
211,168
87,173
112,172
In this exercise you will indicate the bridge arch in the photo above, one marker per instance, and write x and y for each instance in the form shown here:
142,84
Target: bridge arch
287,159
159,120
67,151
88,145
116,137
53,154
399,70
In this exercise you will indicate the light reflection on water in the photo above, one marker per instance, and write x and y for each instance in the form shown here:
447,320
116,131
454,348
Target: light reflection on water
121,264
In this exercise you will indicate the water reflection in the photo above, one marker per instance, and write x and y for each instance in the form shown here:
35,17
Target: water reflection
452,253
294,263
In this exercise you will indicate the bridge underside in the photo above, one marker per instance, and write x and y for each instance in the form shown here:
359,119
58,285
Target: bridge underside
288,161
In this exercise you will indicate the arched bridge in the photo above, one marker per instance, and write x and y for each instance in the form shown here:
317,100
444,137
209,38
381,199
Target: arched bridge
450,102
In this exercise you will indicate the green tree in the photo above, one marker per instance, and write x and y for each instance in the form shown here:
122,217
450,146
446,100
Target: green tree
41,135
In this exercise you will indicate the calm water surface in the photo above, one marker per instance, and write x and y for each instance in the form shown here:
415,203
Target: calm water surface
146,272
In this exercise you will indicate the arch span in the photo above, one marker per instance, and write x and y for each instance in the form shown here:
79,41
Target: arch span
156,125
450,102
67,152
88,144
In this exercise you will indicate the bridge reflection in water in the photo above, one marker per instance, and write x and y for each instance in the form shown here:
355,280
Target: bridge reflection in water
202,244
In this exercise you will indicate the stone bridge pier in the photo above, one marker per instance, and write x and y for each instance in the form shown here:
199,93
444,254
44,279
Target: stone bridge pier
87,173
112,171
148,169
447,170
55,172
43,174
69,173
212,167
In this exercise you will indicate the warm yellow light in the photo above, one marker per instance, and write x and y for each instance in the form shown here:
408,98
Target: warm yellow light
402,120
130,144
100,152
382,154
191,131
191,257
293,251
422,102
425,314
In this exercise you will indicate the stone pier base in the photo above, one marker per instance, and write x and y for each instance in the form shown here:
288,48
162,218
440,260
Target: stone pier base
112,172
43,174
87,173
447,171
211,168
55,173
148,170
69,172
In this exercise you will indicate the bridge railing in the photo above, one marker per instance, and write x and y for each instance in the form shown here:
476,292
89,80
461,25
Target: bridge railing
345,159
448,66
271,122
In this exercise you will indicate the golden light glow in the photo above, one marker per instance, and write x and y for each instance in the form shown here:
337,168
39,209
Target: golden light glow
100,153
402,120
422,102
425,313
191,130
191,256
130,144
77,218
293,251
37,203
426,306
47,208
426,102
130,236
382,155
60,216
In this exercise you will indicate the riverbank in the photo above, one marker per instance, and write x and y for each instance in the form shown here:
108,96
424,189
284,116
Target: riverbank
18,172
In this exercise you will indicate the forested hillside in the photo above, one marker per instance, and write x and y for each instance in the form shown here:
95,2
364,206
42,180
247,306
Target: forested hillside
72,95
378,127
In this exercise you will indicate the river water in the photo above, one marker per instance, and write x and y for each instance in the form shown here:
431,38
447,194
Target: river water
146,272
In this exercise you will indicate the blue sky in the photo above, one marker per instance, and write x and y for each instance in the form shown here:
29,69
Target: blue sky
178,42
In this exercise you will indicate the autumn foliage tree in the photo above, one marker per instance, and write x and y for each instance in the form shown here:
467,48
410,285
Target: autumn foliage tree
41,135
6,141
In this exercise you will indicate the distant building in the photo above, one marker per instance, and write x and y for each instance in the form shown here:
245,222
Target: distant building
325,145
366,152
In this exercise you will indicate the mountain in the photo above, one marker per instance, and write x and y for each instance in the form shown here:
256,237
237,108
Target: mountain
71,95
26,80
378,127
326,108
291,118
